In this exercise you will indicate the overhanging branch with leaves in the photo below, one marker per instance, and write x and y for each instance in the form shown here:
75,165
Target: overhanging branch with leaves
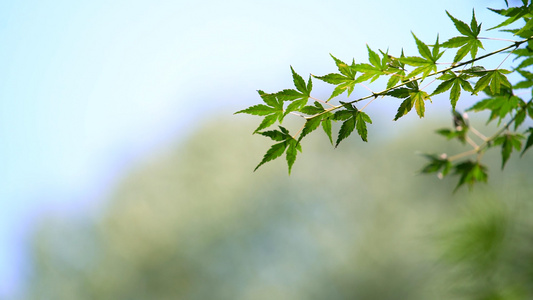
405,75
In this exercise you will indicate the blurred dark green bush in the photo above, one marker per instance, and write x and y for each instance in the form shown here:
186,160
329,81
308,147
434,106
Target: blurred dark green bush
196,223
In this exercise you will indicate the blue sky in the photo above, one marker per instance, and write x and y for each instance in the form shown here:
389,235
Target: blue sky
87,88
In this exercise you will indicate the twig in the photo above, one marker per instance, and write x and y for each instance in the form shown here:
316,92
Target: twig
515,44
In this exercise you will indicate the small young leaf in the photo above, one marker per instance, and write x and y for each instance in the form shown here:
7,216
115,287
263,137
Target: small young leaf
460,121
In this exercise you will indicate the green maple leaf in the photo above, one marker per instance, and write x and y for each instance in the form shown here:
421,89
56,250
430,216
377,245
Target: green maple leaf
311,124
494,80
299,83
292,149
469,41
353,119
300,96
528,82
377,66
396,69
436,164
455,83
460,128
272,110
361,120
413,98
346,129
520,117
274,152
286,143
500,105
425,64
451,134
513,14
470,172
344,80
326,126
509,142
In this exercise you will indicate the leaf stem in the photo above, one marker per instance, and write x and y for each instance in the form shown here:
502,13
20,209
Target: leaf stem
298,132
297,114
485,144
428,84
510,52
471,142
322,101
463,154
496,39
368,103
366,87
476,132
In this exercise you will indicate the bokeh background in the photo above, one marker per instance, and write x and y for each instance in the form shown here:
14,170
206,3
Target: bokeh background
125,175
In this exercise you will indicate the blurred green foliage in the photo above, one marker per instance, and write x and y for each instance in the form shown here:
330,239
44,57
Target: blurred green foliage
196,223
